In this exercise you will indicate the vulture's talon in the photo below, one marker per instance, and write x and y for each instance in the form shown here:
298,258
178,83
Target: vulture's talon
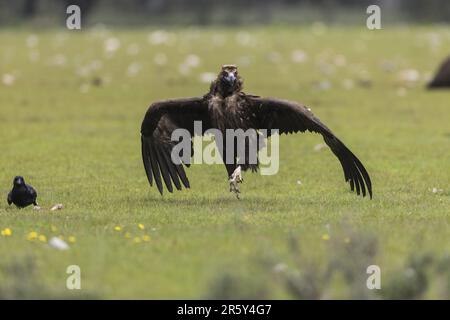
235,189
235,178
237,175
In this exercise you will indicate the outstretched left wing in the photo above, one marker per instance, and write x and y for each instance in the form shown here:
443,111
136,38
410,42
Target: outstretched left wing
291,117
161,119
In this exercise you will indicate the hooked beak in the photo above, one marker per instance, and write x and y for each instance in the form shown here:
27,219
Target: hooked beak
230,78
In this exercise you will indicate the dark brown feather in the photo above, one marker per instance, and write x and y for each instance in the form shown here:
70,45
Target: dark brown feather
161,119
164,169
155,167
171,166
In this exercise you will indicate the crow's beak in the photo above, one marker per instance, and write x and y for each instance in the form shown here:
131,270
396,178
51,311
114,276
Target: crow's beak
230,78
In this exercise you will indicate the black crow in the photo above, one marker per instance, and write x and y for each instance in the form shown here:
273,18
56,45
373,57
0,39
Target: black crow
22,194
226,106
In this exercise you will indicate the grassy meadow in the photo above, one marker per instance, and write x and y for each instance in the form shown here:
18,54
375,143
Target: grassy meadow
71,105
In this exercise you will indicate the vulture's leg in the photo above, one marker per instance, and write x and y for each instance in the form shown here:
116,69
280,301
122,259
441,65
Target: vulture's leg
235,177
233,170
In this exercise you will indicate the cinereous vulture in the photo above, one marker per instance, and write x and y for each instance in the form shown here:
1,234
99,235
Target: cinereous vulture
224,107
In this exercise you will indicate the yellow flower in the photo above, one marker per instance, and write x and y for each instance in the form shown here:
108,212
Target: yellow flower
137,239
42,238
117,228
72,239
127,235
145,238
325,237
141,226
53,228
6,232
32,235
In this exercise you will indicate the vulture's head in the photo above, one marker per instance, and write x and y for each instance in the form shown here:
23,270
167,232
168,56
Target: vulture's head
228,80
18,181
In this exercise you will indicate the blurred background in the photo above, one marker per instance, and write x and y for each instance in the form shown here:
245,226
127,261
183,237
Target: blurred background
211,12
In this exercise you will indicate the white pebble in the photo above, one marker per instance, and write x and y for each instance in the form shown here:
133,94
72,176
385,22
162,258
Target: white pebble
58,244
58,206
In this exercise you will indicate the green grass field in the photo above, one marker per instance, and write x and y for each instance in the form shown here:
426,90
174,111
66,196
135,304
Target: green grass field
71,105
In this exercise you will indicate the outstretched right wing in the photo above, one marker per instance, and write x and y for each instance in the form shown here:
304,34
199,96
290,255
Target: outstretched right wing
161,119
